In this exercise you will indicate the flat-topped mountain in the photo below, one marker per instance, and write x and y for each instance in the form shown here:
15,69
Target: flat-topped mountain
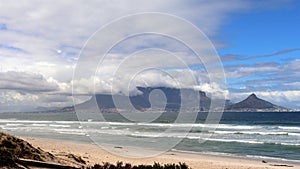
253,103
171,102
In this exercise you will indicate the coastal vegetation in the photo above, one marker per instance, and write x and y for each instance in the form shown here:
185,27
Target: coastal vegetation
120,165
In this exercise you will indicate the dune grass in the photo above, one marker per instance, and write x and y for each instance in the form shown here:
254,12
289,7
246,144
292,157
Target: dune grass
121,165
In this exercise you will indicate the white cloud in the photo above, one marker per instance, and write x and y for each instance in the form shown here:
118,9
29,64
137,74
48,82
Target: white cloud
214,89
43,40
26,82
250,71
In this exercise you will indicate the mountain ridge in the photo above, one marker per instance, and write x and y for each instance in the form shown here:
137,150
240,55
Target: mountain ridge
141,102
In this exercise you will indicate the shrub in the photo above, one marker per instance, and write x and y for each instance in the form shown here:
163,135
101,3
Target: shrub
120,165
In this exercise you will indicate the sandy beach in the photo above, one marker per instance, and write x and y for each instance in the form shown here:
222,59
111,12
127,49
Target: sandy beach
94,154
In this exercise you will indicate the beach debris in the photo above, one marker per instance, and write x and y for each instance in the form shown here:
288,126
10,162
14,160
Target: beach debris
35,163
76,158
119,147
277,165
281,165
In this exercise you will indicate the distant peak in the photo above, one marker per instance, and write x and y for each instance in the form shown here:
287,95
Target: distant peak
252,96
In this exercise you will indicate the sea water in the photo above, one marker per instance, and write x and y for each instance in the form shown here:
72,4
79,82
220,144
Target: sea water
254,134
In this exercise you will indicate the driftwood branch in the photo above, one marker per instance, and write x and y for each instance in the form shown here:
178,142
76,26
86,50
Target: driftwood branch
27,162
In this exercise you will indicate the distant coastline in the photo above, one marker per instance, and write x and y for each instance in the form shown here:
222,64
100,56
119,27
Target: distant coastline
141,103
173,102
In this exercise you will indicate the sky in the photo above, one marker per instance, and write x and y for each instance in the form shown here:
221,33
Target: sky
41,43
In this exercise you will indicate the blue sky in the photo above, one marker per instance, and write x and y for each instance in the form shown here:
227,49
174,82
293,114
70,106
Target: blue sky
259,38
263,31
40,43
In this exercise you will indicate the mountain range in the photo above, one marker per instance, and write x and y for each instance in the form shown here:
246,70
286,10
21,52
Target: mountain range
172,102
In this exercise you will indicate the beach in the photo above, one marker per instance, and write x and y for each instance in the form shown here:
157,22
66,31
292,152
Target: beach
242,140
238,134
92,154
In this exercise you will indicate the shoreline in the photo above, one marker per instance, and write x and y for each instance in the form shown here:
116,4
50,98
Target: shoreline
93,154
236,156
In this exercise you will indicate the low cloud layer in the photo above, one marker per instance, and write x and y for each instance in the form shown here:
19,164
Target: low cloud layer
26,82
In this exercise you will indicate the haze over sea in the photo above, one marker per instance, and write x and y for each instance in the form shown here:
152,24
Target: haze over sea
248,134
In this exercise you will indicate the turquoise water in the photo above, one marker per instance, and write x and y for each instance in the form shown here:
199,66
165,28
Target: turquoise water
274,135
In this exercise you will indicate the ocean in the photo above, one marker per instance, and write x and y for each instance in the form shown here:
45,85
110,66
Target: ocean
272,135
